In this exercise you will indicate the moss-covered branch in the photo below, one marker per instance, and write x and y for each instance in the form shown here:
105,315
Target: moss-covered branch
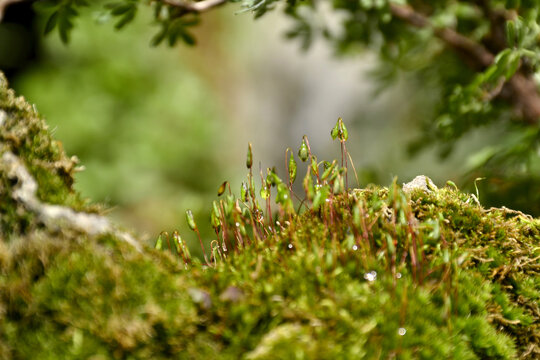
25,190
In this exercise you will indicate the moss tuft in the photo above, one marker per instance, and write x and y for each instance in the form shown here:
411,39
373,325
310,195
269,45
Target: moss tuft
363,274
24,133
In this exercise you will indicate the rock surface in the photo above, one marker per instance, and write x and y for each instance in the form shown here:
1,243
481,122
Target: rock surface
420,182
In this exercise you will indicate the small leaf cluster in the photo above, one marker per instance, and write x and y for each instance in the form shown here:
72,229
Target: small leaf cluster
174,22
61,15
456,92
174,25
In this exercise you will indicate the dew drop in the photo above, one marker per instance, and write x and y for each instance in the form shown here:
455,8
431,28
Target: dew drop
290,246
402,331
370,276
398,275
355,247
237,224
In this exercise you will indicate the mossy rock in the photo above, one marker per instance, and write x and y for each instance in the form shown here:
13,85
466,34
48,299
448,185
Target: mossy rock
371,273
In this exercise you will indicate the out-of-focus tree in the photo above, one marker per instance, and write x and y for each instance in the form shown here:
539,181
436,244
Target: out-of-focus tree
478,63
19,37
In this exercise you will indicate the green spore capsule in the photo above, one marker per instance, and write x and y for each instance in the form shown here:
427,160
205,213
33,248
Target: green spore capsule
271,178
308,186
335,131
343,134
222,188
314,165
214,216
191,220
159,243
303,152
292,169
265,192
249,159
252,187
243,191
328,169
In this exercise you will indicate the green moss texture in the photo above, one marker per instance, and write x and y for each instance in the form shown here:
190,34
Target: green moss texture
371,273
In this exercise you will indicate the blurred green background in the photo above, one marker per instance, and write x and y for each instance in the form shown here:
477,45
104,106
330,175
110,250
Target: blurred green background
159,129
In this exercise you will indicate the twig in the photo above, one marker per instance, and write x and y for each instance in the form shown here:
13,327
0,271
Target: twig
197,7
502,320
523,91
477,51
25,193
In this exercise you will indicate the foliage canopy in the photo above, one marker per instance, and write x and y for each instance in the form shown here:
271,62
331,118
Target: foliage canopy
364,273
475,62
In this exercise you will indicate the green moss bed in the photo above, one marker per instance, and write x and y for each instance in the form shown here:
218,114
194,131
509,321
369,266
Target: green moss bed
374,273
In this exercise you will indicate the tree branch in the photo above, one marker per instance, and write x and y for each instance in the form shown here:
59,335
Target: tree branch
454,39
25,191
197,7
523,92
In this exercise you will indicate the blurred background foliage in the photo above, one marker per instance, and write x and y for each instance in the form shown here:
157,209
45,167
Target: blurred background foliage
159,129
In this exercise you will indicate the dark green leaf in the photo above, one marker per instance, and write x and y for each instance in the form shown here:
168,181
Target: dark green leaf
120,9
51,23
159,37
46,5
188,38
127,18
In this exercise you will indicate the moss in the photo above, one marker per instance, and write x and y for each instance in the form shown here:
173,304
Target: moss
67,299
24,133
365,274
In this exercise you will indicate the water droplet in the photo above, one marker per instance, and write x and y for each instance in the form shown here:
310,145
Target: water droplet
237,224
398,275
370,276
290,246
355,247
401,331
327,200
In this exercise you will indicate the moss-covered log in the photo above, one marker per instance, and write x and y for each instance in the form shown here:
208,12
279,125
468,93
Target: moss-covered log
372,273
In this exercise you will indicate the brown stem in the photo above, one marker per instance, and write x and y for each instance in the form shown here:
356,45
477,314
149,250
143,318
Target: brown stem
454,39
197,7
522,91
524,95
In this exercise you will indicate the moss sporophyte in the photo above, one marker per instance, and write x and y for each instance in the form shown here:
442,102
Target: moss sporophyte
395,266
412,272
